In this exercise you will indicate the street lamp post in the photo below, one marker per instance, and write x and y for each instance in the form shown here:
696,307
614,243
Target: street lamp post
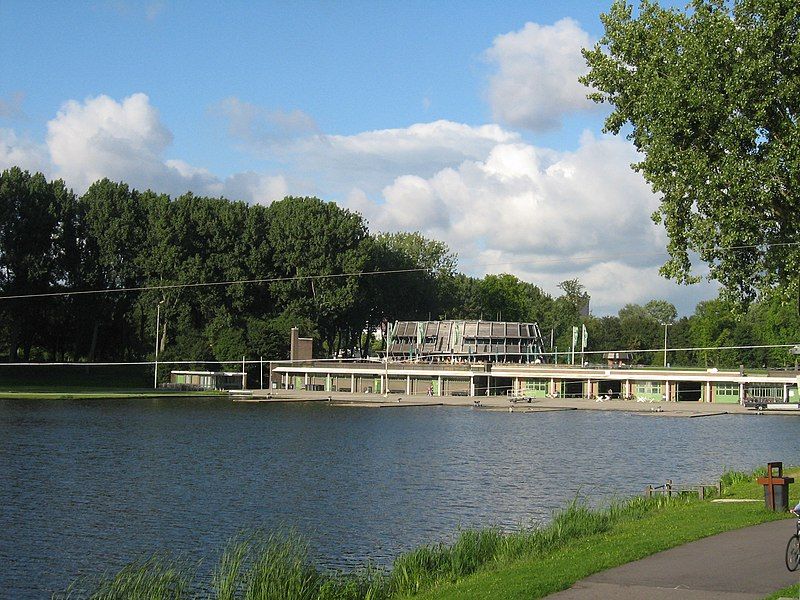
665,342
386,373
158,325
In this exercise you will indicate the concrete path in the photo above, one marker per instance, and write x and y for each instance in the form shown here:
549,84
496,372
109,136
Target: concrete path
747,563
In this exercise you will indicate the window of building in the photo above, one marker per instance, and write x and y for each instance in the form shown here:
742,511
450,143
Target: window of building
536,385
648,387
766,392
727,389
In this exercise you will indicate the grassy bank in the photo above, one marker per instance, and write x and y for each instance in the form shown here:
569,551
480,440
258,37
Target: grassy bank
481,563
76,381
75,376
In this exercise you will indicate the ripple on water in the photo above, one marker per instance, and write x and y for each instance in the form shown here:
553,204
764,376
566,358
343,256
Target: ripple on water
92,485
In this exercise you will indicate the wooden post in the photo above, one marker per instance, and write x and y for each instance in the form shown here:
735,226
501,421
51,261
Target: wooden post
648,491
668,488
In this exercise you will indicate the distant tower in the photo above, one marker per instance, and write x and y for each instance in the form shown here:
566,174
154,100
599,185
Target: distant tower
583,305
300,348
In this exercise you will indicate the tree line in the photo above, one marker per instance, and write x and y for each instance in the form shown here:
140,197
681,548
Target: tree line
226,279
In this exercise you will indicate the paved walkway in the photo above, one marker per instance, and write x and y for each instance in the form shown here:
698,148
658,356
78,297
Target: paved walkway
743,564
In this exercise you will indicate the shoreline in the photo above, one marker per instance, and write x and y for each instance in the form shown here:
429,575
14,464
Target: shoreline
504,404
349,400
579,546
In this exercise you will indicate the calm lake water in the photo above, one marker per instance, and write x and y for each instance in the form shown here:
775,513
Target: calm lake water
87,486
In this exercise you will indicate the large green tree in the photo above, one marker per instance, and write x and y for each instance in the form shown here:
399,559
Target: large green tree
711,97
505,297
111,231
424,290
311,238
31,247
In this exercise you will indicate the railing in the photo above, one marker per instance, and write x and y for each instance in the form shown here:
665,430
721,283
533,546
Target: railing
670,489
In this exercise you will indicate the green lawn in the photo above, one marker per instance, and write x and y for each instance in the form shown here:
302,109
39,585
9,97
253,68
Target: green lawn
39,378
76,381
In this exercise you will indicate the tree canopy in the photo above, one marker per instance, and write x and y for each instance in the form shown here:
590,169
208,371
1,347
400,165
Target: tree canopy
312,264
711,97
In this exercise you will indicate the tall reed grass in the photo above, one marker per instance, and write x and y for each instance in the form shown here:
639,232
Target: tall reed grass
730,478
157,577
277,566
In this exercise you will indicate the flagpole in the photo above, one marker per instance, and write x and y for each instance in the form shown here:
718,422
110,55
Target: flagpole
584,340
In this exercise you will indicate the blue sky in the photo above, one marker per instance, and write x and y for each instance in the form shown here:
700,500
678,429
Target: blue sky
413,113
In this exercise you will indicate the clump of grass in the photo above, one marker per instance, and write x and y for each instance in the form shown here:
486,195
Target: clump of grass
793,591
158,577
277,566
428,566
472,549
731,478
369,583
422,568
227,579
274,567
419,569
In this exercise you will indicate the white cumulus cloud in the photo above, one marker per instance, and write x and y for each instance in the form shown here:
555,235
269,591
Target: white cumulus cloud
373,158
536,82
126,141
253,187
368,160
21,152
545,216
105,138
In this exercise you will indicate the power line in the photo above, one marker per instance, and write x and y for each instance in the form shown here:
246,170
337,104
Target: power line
173,286
689,349
379,362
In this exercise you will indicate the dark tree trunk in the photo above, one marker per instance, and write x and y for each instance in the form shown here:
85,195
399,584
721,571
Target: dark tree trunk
13,343
163,337
93,346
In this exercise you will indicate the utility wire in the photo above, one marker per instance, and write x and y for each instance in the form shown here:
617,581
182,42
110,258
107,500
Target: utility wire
173,286
378,362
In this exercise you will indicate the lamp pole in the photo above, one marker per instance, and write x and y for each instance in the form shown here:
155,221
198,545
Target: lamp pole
386,373
158,325
665,343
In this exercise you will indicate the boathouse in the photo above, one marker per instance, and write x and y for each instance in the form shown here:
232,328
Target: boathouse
207,380
487,358
536,381
488,341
